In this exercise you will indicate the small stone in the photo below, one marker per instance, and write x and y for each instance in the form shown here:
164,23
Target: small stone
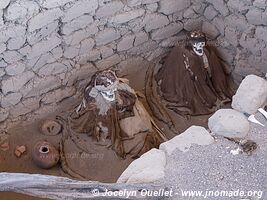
76,24
108,62
12,56
229,123
155,21
251,94
210,13
79,8
148,168
10,99
126,43
106,36
261,33
15,68
167,31
127,16
43,19
19,150
4,3
54,3
109,9
140,38
15,83
171,6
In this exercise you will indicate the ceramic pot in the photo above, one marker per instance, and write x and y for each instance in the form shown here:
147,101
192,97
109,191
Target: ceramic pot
50,127
45,155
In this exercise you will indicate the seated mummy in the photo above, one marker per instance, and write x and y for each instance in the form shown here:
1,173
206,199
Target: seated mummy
112,115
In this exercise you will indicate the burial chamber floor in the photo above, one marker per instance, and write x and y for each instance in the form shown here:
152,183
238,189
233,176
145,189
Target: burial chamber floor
105,168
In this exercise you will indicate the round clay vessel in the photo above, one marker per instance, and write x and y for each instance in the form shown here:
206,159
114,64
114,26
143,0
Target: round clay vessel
50,127
45,155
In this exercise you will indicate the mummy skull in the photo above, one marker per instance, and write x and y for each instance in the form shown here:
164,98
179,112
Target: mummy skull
198,48
106,84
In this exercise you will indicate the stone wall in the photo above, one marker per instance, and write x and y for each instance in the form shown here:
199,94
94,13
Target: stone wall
48,47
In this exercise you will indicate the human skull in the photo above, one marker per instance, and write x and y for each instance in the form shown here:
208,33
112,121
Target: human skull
109,95
106,83
198,48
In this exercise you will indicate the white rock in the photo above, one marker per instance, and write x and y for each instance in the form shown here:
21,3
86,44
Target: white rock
85,72
2,64
4,3
44,18
109,9
193,135
86,46
106,36
172,6
37,36
11,100
16,42
40,86
58,95
15,68
2,47
52,69
71,51
220,6
106,51
92,55
155,21
140,38
14,83
44,46
251,94
108,62
126,43
16,11
79,8
55,3
152,7
148,168
25,107
229,123
210,12
2,72
12,56
167,31
80,35
261,33
76,24
127,16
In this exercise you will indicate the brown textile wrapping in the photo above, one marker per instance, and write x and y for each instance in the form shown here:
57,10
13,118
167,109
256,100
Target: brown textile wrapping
87,121
194,93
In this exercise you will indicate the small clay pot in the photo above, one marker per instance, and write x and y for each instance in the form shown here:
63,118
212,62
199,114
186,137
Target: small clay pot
45,155
50,127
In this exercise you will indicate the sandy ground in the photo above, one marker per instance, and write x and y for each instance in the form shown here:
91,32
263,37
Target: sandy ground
105,169
214,168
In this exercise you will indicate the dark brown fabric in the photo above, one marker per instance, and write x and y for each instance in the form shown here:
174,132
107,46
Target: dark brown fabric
194,93
87,122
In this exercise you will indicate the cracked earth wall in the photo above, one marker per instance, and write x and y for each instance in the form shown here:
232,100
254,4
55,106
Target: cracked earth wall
48,47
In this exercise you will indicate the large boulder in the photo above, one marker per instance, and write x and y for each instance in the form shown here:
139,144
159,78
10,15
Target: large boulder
193,135
148,168
251,95
229,123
